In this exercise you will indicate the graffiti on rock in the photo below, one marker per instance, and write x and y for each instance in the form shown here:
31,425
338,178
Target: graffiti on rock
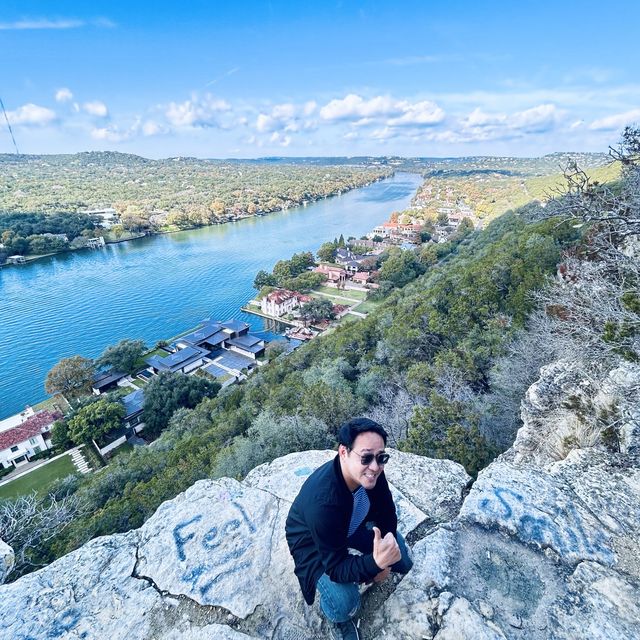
228,540
559,527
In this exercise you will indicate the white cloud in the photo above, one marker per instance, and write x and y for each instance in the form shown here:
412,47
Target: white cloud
354,106
96,108
265,123
198,112
113,133
383,109
479,125
31,115
419,113
151,128
54,23
616,121
63,95
41,23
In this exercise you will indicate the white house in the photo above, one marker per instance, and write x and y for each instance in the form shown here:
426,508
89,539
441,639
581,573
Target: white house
18,444
279,302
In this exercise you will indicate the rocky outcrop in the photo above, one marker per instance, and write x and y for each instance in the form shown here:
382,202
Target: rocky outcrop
541,546
7,559
212,563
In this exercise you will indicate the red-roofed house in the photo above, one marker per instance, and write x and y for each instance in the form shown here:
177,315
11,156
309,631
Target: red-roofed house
279,302
19,444
334,274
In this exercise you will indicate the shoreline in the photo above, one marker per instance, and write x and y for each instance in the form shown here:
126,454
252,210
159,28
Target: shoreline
304,203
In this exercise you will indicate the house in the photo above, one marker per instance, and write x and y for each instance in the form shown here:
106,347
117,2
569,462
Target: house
362,277
18,444
132,423
333,274
108,217
182,361
228,367
282,301
247,345
209,335
279,302
106,381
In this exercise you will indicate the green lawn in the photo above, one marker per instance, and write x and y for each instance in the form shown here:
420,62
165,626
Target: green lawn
367,307
52,404
40,479
345,293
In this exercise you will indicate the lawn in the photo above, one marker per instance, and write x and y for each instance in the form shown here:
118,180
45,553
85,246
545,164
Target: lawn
367,306
57,403
345,293
40,479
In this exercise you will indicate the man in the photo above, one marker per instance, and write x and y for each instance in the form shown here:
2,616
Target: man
346,503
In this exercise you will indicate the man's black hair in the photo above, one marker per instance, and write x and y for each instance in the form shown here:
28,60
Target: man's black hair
351,429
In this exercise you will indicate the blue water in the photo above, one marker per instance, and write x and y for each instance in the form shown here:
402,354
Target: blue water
158,287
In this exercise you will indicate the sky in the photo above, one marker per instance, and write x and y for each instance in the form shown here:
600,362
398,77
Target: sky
252,79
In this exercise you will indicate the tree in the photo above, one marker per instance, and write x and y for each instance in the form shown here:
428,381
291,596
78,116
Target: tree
326,252
94,420
400,268
123,356
317,310
168,392
264,279
29,522
60,436
71,376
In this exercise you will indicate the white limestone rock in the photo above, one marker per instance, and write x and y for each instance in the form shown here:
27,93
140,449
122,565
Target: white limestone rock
87,594
7,559
222,544
539,509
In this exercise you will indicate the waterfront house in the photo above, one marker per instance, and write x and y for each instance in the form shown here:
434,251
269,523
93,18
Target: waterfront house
182,361
104,381
132,423
333,274
19,443
247,345
282,301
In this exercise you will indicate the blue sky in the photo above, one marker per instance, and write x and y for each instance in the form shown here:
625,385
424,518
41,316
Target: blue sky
210,79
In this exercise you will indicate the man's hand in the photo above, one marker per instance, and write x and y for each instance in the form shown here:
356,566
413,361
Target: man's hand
383,575
385,550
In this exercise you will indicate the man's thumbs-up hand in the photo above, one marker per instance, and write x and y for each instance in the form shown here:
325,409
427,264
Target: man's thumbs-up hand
385,550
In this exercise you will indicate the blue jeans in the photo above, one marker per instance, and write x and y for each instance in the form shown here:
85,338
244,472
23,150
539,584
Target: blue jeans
340,601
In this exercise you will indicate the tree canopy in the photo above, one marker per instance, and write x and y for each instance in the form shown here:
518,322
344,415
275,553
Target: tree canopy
168,392
94,420
123,356
71,376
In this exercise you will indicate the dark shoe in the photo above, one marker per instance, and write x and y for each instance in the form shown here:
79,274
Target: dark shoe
345,631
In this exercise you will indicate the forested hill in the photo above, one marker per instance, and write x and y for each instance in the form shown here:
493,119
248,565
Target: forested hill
205,190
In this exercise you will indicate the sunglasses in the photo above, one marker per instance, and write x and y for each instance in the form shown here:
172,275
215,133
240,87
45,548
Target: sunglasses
368,458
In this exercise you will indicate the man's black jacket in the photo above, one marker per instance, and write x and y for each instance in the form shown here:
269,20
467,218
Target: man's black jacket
318,524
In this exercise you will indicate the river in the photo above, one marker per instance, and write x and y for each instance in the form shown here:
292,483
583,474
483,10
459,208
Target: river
157,287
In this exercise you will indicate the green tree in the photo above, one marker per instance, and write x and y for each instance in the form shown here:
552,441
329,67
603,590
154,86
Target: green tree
400,268
94,420
264,279
71,376
327,252
168,392
60,436
123,356
317,310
